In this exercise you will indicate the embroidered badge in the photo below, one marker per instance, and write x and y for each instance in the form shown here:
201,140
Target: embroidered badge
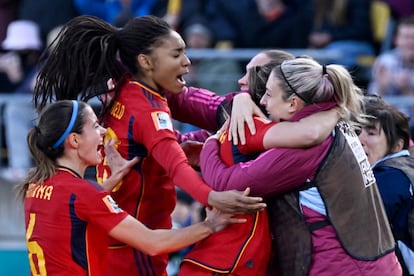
162,120
111,204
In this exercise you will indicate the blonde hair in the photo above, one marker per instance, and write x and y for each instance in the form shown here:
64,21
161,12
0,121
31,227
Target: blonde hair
314,83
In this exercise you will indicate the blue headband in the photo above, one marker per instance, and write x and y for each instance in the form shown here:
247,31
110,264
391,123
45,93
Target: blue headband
70,125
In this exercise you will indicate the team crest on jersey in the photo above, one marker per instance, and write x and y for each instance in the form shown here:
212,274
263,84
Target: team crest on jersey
162,120
111,204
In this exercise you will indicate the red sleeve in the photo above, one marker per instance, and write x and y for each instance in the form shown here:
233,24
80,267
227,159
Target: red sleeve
150,123
160,140
171,157
105,212
254,143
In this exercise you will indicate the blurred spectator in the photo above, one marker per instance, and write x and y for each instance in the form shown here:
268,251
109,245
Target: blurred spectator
23,45
8,12
46,13
383,27
393,71
114,11
20,55
343,25
216,74
180,13
261,23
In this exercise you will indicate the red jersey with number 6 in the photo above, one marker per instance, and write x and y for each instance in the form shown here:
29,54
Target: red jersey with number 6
67,224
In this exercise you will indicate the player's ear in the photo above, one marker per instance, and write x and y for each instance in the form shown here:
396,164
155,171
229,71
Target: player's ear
73,140
295,105
145,61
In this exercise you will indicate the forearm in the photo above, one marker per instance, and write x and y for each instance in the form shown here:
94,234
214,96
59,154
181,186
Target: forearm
171,157
273,172
159,241
304,133
173,240
196,106
189,180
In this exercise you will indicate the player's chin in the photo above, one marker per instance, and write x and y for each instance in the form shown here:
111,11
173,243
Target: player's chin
176,87
176,90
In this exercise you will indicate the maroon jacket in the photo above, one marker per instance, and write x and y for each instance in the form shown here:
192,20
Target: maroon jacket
282,170
198,106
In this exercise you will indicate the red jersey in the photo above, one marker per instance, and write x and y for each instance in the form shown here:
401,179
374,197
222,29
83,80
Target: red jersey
141,121
67,224
239,249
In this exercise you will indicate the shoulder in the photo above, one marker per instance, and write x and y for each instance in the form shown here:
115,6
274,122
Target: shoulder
384,170
65,187
261,123
140,97
389,176
82,187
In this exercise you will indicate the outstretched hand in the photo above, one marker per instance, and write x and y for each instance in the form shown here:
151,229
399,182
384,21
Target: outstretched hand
242,112
217,220
118,165
236,202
